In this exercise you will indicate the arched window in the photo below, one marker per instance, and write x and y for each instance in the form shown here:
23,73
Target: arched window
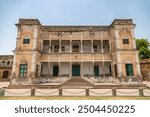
3,63
12,63
8,63
23,69
26,40
5,74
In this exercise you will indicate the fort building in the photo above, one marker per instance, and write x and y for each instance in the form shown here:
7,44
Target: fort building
6,62
89,52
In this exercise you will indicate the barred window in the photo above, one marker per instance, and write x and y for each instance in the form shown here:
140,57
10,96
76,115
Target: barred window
26,40
23,70
125,41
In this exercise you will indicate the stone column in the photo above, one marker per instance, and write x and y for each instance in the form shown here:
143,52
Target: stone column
59,67
112,69
93,68
39,70
81,70
70,69
50,46
42,45
103,64
92,45
48,69
70,46
109,46
59,45
81,46
102,46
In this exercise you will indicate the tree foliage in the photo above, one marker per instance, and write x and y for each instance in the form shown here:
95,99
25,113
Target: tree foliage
144,48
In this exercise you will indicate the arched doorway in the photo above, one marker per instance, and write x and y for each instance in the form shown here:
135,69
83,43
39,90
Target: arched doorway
5,74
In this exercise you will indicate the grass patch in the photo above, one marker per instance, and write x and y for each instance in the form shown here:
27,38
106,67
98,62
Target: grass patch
72,98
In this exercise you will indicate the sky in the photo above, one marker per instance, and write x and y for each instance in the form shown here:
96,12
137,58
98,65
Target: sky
70,12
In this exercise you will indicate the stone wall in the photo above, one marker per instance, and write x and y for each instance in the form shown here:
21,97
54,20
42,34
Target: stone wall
145,69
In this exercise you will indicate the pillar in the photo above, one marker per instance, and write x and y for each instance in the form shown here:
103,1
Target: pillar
39,70
93,67
81,72
42,45
70,46
109,46
49,46
48,69
102,46
92,45
59,46
81,46
70,69
103,64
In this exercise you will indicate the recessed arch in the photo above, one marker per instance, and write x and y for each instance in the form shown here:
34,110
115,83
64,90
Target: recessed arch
8,62
5,74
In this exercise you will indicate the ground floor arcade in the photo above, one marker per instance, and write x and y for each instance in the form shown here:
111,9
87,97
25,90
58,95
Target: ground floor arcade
69,69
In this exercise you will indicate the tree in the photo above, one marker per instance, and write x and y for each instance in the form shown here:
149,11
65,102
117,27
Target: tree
144,48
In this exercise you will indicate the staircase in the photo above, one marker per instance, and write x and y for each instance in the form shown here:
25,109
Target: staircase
77,82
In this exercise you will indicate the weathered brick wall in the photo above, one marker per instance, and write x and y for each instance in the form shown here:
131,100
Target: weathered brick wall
145,70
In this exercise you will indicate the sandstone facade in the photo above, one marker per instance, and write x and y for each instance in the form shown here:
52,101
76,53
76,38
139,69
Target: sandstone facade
68,51
6,62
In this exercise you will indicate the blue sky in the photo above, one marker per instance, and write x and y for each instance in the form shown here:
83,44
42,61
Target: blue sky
71,12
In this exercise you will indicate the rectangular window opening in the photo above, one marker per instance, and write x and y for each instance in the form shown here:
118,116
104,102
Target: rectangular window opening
26,41
125,41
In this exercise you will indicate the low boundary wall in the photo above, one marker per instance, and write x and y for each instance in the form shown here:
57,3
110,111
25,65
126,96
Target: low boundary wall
75,92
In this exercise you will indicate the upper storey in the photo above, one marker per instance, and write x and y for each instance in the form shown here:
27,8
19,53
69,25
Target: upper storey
6,61
31,34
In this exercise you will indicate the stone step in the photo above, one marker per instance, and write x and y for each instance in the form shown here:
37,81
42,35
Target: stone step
76,83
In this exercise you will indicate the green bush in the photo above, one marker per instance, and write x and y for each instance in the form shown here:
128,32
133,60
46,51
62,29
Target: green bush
2,90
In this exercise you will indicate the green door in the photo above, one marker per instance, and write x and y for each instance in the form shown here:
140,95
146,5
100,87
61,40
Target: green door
55,70
129,69
96,70
75,70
